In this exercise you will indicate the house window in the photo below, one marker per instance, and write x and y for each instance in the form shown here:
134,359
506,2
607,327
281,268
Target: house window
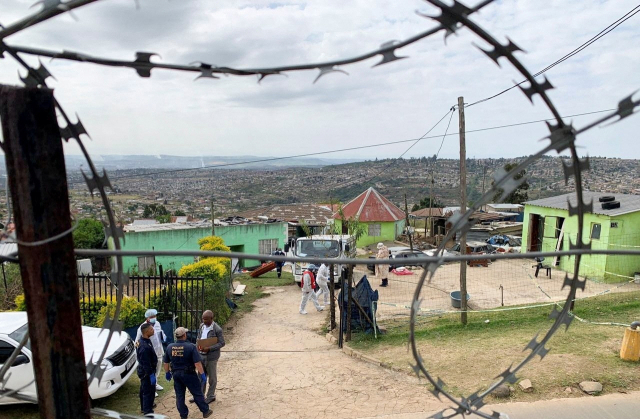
374,230
146,263
267,246
595,230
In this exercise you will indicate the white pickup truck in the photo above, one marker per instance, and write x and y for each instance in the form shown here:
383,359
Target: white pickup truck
332,246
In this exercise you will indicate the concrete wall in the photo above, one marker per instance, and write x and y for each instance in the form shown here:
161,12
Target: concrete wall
240,237
600,267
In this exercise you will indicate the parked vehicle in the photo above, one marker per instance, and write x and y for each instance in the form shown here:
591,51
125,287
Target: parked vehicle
402,256
119,363
510,244
324,246
474,247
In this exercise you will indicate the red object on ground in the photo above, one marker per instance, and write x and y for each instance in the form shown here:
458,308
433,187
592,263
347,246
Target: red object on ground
407,272
263,269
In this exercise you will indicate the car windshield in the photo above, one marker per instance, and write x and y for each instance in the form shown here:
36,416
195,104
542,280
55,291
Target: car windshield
18,335
318,248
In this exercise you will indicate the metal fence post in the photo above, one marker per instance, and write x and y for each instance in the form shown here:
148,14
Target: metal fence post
38,184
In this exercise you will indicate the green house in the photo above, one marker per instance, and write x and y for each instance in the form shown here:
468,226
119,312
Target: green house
250,237
384,220
548,227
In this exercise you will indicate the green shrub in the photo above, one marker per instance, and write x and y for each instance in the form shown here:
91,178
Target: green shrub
90,309
131,312
21,304
164,302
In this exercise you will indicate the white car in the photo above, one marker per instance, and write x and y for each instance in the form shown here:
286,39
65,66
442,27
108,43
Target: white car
119,362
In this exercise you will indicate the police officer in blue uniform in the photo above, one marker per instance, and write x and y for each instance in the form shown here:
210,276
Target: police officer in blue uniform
181,361
147,364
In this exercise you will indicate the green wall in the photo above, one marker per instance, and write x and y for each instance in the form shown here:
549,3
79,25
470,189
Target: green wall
389,230
239,237
602,267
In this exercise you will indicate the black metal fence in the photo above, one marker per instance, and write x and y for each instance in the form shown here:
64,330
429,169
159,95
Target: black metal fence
179,299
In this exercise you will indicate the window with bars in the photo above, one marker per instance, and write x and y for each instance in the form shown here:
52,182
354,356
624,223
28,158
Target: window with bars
267,246
374,230
146,263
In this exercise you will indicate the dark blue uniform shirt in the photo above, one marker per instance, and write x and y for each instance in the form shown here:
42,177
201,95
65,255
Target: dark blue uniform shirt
182,356
147,358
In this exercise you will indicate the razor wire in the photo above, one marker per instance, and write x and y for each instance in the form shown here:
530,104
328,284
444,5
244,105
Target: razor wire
451,19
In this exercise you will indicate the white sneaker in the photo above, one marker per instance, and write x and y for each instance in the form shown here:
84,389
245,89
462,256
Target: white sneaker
159,387
156,394
303,312
321,308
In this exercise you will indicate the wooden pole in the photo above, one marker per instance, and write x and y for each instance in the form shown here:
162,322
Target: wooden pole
38,184
406,216
349,300
332,303
213,220
463,208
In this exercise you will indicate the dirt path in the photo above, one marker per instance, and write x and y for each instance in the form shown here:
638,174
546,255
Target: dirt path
316,380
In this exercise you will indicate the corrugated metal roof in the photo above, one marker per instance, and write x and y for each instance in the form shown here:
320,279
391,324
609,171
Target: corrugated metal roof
628,203
371,206
310,213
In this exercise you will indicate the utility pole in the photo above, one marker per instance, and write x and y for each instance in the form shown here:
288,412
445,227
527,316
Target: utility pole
484,172
40,196
406,216
431,204
332,302
463,209
213,219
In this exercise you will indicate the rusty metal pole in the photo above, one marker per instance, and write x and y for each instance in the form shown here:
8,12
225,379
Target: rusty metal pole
38,184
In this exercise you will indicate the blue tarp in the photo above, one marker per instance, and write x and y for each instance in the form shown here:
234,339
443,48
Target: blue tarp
364,295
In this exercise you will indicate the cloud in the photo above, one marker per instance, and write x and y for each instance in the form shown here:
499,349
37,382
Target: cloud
171,114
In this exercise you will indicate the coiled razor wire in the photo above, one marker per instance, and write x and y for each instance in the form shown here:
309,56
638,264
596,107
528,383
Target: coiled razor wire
450,20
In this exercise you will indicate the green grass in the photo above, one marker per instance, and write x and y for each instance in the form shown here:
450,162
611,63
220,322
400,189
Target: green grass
125,400
585,352
255,288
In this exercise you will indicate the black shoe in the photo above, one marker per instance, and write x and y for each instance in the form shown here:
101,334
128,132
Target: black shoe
207,413
211,400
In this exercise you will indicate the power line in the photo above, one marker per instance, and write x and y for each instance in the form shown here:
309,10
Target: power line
317,153
577,50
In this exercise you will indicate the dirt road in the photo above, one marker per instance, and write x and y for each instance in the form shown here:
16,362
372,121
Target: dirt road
315,380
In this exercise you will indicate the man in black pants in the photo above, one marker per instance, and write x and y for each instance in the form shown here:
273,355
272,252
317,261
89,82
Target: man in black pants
147,364
279,265
181,361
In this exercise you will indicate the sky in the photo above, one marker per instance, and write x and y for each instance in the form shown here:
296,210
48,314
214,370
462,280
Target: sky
170,113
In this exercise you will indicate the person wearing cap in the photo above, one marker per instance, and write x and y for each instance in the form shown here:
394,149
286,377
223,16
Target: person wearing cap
279,265
183,364
157,340
308,286
382,271
147,363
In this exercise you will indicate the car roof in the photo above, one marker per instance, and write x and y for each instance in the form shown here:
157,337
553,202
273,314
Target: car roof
10,321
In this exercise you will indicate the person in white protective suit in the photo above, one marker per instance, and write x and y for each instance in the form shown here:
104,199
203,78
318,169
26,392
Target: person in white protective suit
322,279
157,339
308,285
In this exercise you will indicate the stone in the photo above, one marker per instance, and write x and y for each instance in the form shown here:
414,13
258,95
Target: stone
526,386
591,387
568,390
502,391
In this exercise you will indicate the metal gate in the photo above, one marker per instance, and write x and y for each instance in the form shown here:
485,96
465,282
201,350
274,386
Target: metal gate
179,299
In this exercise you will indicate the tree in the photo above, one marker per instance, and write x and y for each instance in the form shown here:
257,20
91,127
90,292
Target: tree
89,234
154,210
179,213
424,203
520,194
163,219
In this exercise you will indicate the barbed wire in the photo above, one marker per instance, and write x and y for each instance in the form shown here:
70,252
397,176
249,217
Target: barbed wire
452,17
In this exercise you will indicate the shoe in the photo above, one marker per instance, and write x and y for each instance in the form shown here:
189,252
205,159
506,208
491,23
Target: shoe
159,388
156,394
211,400
321,308
207,413
192,400
303,312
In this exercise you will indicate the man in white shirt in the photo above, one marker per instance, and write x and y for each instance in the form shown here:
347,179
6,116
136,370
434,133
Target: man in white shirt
157,339
322,279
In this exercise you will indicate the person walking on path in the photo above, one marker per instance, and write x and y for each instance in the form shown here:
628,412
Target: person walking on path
157,340
308,286
147,363
210,354
181,361
382,271
322,280
279,265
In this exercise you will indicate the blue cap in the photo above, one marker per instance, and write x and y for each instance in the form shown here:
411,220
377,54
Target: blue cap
150,313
